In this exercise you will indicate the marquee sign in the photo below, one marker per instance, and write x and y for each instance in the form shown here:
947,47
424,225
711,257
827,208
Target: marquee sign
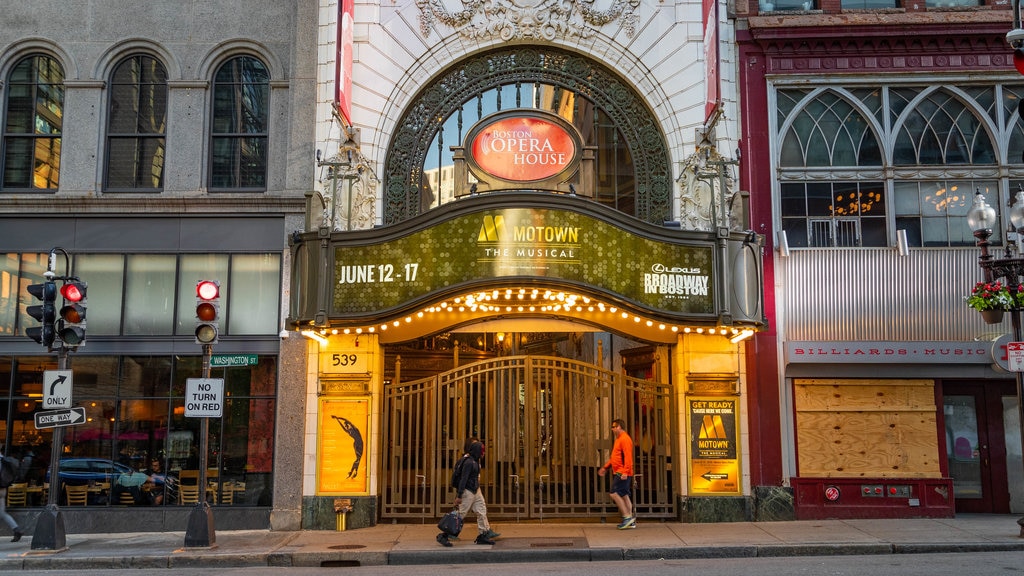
478,246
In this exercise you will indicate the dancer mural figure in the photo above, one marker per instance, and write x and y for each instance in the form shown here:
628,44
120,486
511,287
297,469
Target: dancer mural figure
357,443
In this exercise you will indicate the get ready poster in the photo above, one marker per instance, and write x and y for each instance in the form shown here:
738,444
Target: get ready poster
714,445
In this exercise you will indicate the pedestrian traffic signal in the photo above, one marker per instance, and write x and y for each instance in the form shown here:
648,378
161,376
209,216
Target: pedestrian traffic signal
207,311
71,325
45,312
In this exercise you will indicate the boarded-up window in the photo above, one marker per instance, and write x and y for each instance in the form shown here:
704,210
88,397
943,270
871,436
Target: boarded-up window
866,428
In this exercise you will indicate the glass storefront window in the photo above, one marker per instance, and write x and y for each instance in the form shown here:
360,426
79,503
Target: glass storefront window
105,275
136,427
255,284
149,294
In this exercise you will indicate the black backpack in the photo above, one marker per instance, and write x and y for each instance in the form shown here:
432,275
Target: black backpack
457,472
8,471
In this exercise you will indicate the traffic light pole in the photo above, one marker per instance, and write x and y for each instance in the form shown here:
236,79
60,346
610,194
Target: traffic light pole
50,533
201,532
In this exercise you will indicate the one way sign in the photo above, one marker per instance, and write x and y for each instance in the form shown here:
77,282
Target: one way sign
58,418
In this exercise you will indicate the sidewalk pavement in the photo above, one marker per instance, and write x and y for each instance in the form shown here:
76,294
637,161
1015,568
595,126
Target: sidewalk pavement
524,542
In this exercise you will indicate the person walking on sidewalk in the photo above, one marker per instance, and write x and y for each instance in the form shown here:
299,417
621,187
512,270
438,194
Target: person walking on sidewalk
621,465
3,507
470,498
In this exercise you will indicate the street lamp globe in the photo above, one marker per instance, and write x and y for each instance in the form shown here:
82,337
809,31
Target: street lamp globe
1017,211
981,217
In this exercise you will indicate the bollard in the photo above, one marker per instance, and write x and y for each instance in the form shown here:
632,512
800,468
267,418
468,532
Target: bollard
342,506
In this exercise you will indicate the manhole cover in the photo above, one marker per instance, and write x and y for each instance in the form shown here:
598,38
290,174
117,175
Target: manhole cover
347,547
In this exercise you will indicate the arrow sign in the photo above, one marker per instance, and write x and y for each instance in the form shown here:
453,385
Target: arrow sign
709,476
58,418
56,389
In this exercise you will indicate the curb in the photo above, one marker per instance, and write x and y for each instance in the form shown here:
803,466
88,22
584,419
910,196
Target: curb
324,559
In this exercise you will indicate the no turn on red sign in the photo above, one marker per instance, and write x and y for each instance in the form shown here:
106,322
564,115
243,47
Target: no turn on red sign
204,397
1015,356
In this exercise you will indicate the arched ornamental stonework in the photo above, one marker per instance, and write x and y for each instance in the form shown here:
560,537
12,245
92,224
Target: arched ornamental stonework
444,97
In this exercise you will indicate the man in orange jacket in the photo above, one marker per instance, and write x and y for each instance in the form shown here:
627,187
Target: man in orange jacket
621,465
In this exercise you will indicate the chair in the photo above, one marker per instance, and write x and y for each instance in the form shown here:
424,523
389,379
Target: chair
77,495
125,498
17,494
188,494
227,494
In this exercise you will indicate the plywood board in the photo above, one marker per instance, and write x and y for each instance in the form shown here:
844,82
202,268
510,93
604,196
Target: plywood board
878,429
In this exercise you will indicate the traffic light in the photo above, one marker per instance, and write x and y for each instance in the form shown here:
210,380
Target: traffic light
207,311
46,312
71,326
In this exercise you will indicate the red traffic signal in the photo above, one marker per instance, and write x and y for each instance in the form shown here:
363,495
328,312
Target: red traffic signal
73,291
71,325
207,311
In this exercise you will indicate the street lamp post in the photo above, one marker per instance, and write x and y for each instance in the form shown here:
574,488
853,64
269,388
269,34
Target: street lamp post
1010,267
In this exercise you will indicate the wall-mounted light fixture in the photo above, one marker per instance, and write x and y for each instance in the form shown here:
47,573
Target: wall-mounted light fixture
901,242
314,336
782,244
743,335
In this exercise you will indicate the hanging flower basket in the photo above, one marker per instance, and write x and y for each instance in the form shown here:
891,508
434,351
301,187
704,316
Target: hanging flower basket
992,316
992,297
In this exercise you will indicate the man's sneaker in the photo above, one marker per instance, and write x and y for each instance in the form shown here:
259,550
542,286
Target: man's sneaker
627,523
483,539
491,534
17,535
442,539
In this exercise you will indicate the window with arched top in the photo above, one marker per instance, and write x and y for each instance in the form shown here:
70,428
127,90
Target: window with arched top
856,164
939,129
239,126
830,131
137,125
33,125
631,166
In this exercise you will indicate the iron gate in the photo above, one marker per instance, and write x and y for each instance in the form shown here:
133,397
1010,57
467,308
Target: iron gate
546,425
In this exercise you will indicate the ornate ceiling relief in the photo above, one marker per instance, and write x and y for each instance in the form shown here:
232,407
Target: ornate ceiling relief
527,19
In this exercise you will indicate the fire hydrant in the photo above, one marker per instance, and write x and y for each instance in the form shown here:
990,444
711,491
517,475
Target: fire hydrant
342,506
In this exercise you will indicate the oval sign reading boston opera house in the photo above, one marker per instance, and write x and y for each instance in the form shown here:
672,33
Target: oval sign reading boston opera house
523,148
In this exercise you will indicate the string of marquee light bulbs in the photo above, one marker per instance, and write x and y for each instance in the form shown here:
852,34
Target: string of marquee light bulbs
528,301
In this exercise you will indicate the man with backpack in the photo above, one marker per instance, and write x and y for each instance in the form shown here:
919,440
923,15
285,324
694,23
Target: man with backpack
469,496
8,474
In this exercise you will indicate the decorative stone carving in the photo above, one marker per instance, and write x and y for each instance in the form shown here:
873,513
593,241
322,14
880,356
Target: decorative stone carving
701,202
351,189
527,19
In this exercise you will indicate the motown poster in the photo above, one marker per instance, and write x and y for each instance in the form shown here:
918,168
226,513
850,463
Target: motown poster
714,445
344,428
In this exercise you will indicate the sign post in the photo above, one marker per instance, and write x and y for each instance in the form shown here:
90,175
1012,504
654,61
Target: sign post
204,398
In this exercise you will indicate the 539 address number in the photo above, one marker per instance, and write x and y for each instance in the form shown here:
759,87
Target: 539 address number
344,363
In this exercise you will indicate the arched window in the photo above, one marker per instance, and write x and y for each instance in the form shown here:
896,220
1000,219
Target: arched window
939,130
837,188
239,127
137,125
34,116
829,131
632,168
